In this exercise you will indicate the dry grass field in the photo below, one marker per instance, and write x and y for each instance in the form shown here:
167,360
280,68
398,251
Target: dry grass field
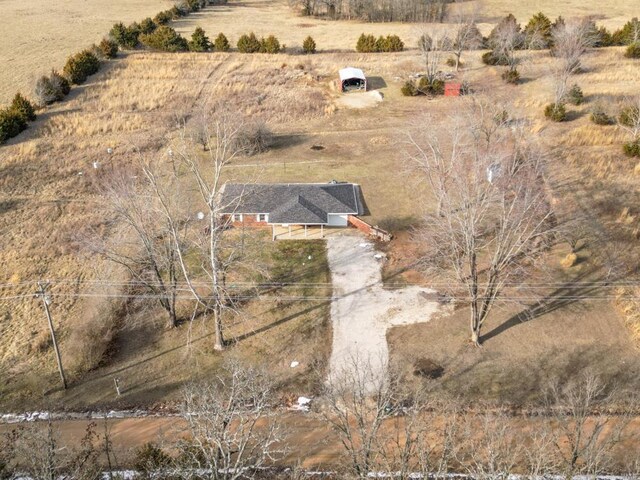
267,17
49,197
40,34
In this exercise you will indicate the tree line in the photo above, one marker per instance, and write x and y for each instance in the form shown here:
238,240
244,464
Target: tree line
375,10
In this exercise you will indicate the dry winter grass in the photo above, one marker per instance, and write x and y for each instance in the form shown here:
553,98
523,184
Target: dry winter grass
49,193
266,17
134,103
40,34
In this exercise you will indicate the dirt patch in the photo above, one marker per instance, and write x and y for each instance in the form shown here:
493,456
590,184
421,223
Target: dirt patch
360,99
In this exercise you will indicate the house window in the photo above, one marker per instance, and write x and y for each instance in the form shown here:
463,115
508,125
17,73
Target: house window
236,217
262,217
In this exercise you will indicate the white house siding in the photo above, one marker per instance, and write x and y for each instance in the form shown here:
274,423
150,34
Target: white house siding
335,220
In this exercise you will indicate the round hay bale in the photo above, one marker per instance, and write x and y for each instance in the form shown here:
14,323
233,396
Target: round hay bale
569,261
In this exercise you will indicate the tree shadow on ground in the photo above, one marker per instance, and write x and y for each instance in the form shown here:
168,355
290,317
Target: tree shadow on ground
567,294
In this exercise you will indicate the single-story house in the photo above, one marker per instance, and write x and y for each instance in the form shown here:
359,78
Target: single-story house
292,204
352,79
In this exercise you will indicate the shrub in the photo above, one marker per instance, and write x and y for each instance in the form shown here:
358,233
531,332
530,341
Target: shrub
221,43
254,138
633,50
51,89
393,44
249,43
45,93
150,458
165,39
108,48
409,89
451,62
270,45
163,18
632,149
511,76
199,41
555,112
60,83
575,95
436,87
23,107
381,44
599,116
11,124
628,115
366,44
309,45
80,66
490,58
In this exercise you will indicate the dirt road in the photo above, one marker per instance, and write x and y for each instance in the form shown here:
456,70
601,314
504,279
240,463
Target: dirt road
362,309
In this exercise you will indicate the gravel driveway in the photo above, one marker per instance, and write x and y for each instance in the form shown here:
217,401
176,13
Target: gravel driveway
362,310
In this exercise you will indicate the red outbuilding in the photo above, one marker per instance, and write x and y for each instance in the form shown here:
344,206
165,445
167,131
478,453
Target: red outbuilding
452,89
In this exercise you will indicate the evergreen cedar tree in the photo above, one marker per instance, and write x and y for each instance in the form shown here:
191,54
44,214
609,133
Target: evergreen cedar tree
538,32
165,39
200,42
251,44
108,48
309,45
125,37
23,107
80,66
221,43
13,119
369,44
147,26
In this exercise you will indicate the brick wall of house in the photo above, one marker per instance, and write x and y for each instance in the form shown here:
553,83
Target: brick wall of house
248,221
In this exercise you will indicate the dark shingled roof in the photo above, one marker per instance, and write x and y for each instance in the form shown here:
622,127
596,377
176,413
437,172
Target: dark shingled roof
293,202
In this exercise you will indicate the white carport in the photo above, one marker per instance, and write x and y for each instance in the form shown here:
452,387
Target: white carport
352,79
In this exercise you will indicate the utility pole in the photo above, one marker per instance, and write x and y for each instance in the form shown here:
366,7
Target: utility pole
46,300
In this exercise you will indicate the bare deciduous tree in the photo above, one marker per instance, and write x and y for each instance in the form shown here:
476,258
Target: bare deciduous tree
207,239
433,47
359,398
571,40
583,436
143,243
488,445
233,428
629,120
466,35
36,451
493,217
505,40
